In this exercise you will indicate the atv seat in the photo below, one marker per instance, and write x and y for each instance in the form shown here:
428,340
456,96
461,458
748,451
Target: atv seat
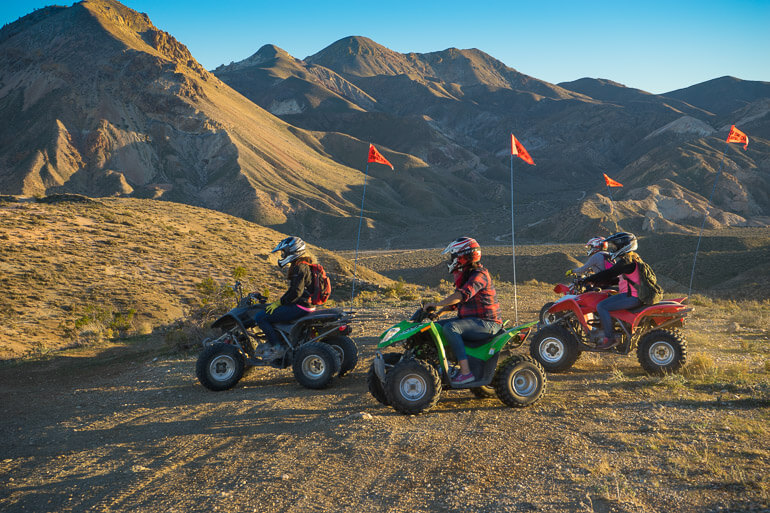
642,307
482,341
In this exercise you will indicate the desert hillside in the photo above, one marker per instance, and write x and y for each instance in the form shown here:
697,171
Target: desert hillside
74,270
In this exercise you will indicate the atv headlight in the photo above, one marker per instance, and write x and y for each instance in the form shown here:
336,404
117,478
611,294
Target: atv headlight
390,334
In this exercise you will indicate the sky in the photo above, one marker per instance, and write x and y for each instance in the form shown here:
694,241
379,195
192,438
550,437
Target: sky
654,46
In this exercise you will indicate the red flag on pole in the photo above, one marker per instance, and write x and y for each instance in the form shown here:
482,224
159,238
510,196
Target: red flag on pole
736,136
518,149
374,156
610,182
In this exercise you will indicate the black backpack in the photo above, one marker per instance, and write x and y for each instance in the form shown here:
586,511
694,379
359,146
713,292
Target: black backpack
648,290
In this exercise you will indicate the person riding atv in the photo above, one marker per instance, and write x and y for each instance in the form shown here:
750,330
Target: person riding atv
627,267
598,258
474,299
295,302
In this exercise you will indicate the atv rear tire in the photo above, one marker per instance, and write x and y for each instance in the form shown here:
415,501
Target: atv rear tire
555,348
219,366
347,351
412,386
546,318
662,352
315,364
520,381
373,381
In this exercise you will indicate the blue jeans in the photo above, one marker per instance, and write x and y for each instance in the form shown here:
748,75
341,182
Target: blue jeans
468,328
284,313
612,303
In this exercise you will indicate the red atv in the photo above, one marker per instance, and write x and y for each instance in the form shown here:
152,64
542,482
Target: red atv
571,326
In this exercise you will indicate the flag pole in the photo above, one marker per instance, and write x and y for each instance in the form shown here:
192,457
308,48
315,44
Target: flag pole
612,208
513,252
358,239
705,216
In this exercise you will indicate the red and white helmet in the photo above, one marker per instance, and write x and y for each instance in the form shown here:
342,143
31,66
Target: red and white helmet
596,244
462,253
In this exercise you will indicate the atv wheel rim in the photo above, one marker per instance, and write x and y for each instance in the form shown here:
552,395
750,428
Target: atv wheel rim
313,366
551,350
524,383
222,367
661,353
413,387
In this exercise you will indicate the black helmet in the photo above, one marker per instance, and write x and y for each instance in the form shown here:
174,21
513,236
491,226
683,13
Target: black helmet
291,248
621,243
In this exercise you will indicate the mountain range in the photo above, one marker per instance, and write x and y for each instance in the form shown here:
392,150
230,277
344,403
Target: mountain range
99,101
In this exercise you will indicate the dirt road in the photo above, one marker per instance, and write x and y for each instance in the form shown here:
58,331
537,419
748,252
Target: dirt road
126,430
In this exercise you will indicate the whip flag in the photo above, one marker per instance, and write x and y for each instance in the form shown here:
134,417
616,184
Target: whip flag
520,151
517,150
376,157
736,136
610,182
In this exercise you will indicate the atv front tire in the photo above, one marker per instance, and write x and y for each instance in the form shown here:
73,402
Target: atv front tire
412,386
662,352
315,364
219,366
520,381
347,351
555,348
373,381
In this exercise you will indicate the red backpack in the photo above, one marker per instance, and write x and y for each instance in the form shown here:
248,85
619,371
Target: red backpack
322,286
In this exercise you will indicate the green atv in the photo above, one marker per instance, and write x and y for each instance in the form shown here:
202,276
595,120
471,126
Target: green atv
411,381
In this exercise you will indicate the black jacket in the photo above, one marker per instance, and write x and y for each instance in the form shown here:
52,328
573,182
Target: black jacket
300,284
623,266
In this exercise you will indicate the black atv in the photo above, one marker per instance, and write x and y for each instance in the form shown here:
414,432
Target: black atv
317,346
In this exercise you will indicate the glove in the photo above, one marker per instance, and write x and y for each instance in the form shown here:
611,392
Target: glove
569,272
272,306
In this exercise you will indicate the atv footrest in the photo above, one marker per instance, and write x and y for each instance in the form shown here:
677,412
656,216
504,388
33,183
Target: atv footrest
472,384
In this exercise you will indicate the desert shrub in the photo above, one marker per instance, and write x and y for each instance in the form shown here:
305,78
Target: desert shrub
700,365
97,323
402,290
212,301
444,287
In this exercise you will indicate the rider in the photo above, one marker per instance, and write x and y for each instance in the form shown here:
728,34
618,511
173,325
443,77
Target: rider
478,312
623,246
598,258
295,302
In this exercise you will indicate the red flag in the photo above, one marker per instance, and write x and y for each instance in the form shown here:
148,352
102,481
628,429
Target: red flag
518,149
737,136
610,182
374,156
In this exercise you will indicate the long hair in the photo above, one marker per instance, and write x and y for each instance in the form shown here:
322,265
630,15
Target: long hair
632,256
306,258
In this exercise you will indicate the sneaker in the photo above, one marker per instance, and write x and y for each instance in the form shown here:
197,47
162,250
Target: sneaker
607,343
462,379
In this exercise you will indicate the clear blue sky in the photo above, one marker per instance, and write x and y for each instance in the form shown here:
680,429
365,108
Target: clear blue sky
655,46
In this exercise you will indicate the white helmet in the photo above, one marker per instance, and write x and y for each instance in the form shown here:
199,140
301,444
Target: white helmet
596,244
291,248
